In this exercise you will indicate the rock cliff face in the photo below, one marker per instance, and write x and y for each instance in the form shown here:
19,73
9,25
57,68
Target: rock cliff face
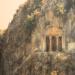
30,20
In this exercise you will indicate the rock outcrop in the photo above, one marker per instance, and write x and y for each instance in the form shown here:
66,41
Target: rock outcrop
30,20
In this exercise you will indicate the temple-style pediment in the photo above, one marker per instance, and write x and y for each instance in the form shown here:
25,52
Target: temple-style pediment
54,31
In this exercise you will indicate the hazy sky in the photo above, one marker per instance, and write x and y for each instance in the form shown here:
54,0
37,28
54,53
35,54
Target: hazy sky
7,10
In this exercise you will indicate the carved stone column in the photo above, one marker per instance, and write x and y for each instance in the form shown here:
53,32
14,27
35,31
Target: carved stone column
57,43
50,43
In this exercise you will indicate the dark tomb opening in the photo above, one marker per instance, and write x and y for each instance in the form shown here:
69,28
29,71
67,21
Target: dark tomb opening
47,43
54,43
60,43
